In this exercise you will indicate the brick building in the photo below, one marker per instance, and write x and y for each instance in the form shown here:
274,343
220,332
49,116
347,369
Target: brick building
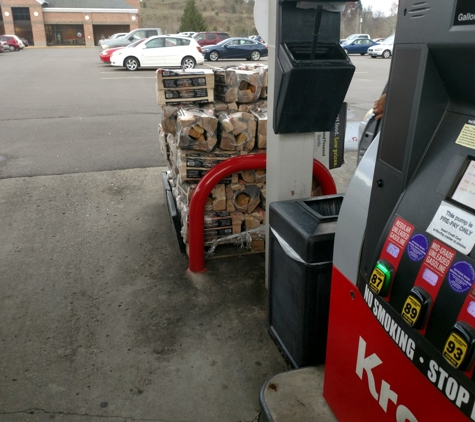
68,22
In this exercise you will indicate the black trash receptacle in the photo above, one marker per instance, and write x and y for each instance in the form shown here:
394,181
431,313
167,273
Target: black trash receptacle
302,234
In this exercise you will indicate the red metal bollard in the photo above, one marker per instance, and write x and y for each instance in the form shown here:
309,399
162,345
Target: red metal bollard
196,212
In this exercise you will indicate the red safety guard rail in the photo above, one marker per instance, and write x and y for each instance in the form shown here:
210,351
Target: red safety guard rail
196,212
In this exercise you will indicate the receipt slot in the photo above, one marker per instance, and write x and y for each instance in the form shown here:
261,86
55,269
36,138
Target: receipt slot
401,341
312,71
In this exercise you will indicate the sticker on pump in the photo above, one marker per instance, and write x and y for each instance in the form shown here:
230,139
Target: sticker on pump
380,279
461,276
455,350
454,227
467,136
416,307
460,346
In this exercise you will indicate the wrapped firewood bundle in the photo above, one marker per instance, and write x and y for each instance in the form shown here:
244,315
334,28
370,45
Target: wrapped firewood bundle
237,131
169,118
254,176
196,130
226,93
261,120
162,141
235,84
257,106
247,200
220,106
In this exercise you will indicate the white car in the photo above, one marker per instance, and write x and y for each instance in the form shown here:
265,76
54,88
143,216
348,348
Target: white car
384,49
160,51
187,34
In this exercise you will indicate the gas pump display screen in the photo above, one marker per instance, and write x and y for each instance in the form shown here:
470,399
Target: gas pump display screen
465,191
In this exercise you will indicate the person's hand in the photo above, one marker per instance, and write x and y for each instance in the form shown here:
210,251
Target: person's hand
378,107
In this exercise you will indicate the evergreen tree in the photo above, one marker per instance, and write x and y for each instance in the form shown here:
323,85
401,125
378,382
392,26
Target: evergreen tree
192,19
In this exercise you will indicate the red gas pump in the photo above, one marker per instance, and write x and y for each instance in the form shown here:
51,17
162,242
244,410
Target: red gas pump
401,341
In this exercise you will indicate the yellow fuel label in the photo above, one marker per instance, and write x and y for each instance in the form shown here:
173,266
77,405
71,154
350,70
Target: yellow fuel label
455,350
376,281
411,310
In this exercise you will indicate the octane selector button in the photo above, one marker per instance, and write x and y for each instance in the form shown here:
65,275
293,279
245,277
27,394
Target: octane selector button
381,277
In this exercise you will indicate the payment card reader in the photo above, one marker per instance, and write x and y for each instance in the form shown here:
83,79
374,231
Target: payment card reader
312,71
401,344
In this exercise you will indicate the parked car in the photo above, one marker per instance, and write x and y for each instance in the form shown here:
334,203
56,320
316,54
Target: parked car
210,38
131,37
1,46
383,49
358,46
378,40
235,48
187,34
353,37
25,42
13,42
112,37
162,50
105,55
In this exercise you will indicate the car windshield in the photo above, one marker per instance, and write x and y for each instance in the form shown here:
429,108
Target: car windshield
136,43
223,42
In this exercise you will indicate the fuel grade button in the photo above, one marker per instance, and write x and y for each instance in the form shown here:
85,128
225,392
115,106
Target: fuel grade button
459,346
380,279
416,307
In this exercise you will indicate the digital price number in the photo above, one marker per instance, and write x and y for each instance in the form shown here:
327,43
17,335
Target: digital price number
455,350
380,279
411,311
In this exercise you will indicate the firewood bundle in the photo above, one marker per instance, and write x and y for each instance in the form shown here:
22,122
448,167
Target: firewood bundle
196,130
237,131
238,85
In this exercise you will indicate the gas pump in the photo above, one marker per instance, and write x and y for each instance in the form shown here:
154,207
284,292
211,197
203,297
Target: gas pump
401,343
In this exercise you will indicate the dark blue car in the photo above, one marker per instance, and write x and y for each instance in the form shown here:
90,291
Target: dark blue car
235,48
358,46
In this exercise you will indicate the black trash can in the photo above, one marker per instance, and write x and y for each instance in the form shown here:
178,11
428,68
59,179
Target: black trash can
302,234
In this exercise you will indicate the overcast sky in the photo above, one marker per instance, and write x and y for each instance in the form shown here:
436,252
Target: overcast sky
381,5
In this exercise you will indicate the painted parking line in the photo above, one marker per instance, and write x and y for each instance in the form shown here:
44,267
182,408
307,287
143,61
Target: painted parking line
131,77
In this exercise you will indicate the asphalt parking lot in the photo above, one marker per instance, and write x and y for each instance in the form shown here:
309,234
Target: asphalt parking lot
66,112
100,318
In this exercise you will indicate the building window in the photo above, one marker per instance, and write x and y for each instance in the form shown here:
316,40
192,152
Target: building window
22,23
21,13
65,35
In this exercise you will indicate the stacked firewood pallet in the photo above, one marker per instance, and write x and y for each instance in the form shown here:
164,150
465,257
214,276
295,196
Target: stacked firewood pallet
209,116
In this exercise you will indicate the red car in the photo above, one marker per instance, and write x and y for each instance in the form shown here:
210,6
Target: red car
105,55
12,42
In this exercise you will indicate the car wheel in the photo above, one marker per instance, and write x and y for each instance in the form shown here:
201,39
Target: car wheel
386,54
131,63
12,48
255,55
362,54
373,57
188,62
214,56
